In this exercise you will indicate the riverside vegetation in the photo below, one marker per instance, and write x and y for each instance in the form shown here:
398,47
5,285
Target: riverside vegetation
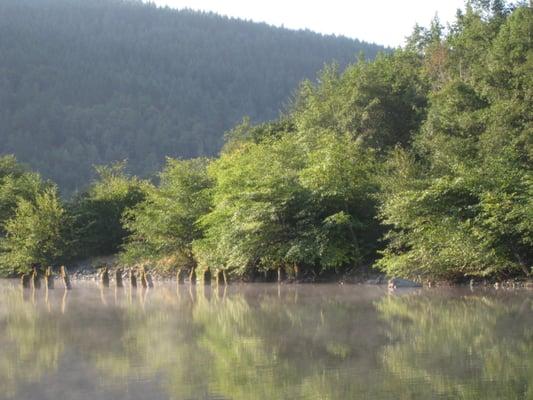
417,162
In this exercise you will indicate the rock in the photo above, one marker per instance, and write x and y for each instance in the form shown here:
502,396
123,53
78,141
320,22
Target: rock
396,283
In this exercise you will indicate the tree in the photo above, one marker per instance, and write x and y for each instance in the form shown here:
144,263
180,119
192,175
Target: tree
98,212
35,234
459,203
163,226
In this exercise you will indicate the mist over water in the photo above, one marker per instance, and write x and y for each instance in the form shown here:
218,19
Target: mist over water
261,341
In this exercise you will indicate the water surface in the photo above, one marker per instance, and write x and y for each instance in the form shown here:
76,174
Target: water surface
267,342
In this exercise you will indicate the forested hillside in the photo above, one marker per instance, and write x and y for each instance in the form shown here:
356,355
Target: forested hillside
86,82
418,162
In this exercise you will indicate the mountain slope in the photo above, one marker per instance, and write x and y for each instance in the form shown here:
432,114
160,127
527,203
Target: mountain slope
86,82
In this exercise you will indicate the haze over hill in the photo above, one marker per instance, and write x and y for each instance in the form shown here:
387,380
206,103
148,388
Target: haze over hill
86,82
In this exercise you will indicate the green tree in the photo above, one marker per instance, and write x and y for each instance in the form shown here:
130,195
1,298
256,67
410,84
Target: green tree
98,212
36,233
163,226
296,202
459,203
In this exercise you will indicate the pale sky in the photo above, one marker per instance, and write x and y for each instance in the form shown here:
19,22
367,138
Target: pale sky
385,22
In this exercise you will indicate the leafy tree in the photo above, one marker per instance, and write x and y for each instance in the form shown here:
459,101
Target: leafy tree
163,226
293,202
460,203
15,182
98,212
35,234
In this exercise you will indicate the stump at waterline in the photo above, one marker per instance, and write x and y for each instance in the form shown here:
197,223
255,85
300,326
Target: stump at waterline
220,275
133,278
104,278
65,278
36,278
179,276
144,282
25,281
149,280
118,277
49,278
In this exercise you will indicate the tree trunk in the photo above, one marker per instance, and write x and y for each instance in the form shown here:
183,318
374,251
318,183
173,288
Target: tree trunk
105,277
207,277
280,273
149,281
25,281
296,272
65,277
144,282
179,276
133,278
192,276
224,277
118,278
49,278
36,278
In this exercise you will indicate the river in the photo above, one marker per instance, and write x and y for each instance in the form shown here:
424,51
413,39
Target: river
264,341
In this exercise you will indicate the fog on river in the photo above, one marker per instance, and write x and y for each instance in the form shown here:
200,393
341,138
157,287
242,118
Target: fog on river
263,341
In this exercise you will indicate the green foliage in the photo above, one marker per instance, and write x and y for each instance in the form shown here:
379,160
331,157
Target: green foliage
295,201
163,226
98,212
460,203
16,182
380,103
91,82
429,147
35,234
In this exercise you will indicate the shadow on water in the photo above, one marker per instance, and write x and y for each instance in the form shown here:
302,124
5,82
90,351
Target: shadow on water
264,342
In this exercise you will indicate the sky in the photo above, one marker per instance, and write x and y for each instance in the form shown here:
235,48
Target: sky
385,22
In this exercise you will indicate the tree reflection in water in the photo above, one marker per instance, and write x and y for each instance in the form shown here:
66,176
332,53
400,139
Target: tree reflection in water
265,342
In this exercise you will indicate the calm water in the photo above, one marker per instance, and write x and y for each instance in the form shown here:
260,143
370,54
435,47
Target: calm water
265,342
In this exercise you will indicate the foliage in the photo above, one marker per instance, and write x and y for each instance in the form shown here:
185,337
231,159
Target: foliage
163,226
98,212
15,182
35,234
91,82
459,202
294,201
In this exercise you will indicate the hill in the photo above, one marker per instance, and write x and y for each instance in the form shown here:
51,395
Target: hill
86,82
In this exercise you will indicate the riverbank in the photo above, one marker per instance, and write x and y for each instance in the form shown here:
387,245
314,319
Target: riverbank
90,270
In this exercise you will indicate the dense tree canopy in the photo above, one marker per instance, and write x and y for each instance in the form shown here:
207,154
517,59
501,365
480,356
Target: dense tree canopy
460,202
419,162
164,225
86,82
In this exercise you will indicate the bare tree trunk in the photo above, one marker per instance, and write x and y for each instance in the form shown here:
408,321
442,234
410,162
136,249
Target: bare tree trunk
133,278
192,276
224,277
35,278
179,276
149,280
49,278
118,278
144,282
25,281
105,277
65,277
280,275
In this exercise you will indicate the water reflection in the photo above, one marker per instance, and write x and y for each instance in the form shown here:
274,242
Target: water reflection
264,342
